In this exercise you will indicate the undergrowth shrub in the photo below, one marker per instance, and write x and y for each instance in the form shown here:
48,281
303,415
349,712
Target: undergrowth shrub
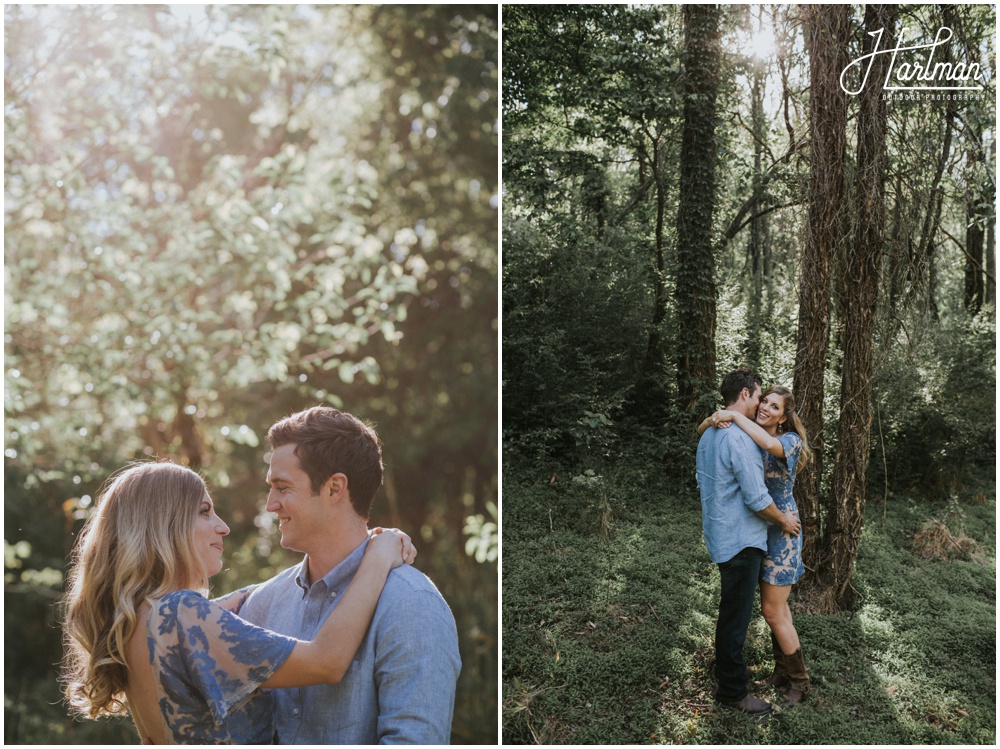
935,401
572,331
934,540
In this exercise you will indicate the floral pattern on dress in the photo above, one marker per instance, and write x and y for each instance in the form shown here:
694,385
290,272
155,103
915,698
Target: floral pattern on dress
783,563
208,664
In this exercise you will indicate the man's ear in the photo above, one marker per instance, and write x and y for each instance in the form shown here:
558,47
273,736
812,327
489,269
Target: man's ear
335,487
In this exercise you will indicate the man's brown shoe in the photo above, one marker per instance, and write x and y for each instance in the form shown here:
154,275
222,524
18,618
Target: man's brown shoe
749,704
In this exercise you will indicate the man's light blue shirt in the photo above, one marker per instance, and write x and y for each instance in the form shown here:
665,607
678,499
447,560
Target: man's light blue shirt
731,482
400,689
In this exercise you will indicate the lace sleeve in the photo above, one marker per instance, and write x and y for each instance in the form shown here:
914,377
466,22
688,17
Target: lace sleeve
204,655
793,448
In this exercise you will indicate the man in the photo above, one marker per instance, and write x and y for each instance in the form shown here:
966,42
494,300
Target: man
325,469
735,510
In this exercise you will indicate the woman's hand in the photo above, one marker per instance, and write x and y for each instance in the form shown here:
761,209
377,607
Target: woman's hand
407,551
722,419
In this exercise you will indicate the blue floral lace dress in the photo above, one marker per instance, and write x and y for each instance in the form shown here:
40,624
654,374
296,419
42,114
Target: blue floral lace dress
208,664
783,563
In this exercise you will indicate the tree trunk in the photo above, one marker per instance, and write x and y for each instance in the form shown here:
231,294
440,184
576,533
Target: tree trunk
654,349
860,273
828,30
990,258
757,244
695,277
991,261
975,287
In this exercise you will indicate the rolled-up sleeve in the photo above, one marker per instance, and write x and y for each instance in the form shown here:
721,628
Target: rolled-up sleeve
416,670
749,471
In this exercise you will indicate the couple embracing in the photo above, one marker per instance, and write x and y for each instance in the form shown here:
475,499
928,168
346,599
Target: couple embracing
746,474
352,646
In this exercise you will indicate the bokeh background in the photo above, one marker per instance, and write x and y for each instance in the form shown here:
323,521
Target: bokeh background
218,215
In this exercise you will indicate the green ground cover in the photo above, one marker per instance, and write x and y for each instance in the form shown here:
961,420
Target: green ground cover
609,602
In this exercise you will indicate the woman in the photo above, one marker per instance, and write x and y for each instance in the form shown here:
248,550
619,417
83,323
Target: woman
141,636
779,433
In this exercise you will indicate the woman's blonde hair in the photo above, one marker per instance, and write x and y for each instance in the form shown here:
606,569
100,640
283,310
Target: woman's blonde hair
138,544
792,421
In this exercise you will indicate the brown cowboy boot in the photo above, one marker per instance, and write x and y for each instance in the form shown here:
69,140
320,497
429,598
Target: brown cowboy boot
798,678
780,676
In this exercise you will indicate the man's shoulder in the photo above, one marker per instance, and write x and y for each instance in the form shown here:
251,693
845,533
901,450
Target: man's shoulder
409,592
406,582
282,578
412,616
716,439
708,443
271,587
736,437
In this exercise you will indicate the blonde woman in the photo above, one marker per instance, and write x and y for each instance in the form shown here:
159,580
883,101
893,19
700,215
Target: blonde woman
141,636
779,433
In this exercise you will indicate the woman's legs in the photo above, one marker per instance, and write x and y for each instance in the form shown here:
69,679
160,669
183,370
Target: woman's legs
774,606
790,667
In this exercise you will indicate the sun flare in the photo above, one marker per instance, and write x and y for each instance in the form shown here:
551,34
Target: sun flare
762,44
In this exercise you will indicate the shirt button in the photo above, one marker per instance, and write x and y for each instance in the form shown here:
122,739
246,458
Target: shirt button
333,594
295,711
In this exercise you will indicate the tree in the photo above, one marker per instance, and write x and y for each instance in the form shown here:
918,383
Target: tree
590,111
695,290
828,31
859,269
151,201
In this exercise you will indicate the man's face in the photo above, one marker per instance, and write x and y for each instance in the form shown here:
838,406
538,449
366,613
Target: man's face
303,516
750,403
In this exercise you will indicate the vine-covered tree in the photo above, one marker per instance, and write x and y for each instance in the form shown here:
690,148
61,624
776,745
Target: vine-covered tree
695,273
827,29
859,268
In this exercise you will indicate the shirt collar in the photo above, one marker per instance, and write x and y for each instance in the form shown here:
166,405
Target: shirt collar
337,578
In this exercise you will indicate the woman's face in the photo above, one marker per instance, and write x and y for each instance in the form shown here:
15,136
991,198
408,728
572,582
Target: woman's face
771,411
208,532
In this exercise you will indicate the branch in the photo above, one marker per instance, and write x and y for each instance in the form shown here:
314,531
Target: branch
761,142
733,229
636,199
950,538
737,224
968,257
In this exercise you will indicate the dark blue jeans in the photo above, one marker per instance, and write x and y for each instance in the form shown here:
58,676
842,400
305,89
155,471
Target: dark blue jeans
740,577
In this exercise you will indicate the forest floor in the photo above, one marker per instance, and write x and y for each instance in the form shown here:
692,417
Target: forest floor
609,605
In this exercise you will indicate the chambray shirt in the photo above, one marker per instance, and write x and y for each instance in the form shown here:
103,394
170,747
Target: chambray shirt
400,689
731,481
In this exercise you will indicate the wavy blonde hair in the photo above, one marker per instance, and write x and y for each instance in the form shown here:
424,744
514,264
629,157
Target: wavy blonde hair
138,544
793,423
